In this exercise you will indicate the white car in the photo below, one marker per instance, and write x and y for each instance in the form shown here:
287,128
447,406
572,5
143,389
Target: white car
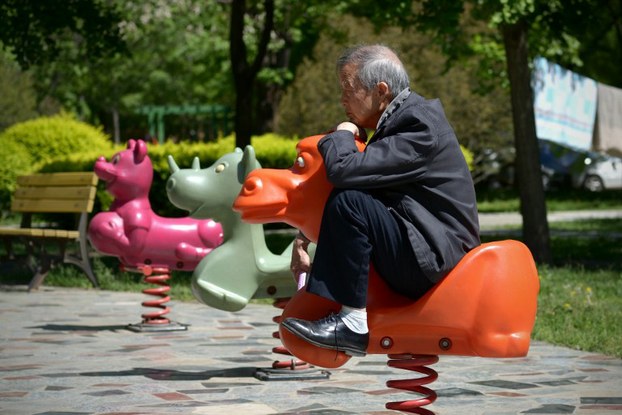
601,172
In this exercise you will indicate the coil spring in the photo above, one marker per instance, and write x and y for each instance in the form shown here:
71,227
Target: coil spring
157,276
293,364
415,363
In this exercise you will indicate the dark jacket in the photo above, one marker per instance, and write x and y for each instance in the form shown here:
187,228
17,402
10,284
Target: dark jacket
414,165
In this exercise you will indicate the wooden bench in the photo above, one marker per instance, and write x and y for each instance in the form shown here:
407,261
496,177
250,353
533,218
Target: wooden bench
63,196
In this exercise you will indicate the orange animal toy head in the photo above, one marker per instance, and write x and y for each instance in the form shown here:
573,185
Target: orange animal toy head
295,196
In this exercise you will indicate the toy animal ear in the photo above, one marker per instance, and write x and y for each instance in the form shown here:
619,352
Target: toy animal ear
249,162
140,151
131,143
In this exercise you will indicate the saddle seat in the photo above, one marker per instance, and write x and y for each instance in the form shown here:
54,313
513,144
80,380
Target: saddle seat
486,306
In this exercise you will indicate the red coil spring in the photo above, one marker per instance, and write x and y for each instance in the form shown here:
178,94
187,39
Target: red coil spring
157,276
415,363
293,364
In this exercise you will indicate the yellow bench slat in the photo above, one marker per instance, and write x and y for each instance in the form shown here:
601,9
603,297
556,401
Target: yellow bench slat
40,232
58,179
72,192
53,192
52,205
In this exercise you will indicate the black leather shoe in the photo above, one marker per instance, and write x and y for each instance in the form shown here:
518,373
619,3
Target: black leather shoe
329,333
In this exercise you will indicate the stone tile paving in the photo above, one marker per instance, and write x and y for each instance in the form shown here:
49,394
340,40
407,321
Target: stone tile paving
68,351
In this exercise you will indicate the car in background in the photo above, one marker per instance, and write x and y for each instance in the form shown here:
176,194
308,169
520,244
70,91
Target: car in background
603,172
564,165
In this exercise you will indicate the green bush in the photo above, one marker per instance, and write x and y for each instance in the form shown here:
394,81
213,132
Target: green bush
47,138
57,143
272,151
468,156
15,161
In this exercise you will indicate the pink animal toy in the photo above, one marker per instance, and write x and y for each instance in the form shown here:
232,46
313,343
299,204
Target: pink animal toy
131,231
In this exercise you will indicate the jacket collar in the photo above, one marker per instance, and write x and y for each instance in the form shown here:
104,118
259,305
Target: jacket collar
393,106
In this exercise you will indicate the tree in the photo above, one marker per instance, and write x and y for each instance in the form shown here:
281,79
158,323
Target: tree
180,53
268,40
17,95
600,51
34,29
176,53
525,28
244,68
311,103
528,174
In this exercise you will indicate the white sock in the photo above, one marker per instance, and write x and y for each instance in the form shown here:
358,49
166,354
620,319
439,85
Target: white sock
355,319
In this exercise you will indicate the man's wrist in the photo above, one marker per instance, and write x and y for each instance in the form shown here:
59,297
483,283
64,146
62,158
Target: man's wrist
303,239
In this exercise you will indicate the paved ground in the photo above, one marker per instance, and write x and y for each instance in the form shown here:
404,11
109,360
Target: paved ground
68,351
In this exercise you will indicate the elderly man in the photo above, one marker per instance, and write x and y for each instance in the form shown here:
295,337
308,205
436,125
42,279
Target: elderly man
406,204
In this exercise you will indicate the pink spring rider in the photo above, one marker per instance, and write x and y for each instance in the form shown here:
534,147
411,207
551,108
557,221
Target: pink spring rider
142,240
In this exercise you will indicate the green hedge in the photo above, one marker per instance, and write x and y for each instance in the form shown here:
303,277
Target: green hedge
15,161
272,151
47,138
27,146
64,144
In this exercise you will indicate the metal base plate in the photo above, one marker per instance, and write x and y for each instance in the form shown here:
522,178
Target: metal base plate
268,374
150,328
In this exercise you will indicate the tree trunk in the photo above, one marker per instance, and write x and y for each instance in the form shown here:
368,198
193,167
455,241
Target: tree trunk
116,125
245,73
528,170
242,119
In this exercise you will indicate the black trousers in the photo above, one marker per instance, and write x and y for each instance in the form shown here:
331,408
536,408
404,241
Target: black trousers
358,229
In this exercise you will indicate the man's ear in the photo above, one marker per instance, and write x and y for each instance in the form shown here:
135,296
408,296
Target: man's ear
384,92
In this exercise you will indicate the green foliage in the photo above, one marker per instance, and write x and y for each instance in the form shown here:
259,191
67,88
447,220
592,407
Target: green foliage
17,95
311,103
34,29
58,143
507,200
178,54
47,138
468,156
83,161
601,50
581,309
272,150
275,151
15,161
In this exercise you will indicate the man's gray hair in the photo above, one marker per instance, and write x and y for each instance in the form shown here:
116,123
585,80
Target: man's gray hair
374,64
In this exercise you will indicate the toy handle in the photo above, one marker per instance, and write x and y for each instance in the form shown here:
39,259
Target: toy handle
302,280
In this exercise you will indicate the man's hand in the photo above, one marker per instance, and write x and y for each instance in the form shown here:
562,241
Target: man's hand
354,129
301,261
348,126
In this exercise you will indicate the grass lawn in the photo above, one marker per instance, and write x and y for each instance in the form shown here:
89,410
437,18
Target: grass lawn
581,309
559,200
